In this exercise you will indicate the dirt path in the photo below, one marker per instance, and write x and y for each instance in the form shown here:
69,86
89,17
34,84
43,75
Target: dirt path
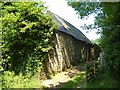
63,77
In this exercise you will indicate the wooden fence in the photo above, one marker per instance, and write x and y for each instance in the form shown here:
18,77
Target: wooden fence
92,70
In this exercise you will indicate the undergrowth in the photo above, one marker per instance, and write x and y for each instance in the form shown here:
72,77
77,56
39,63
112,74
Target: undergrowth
103,81
10,80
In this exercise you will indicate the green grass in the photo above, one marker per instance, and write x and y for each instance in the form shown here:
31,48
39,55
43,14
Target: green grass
10,80
74,81
101,81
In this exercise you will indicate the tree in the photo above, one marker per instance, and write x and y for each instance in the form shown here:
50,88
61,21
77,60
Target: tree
107,23
26,32
96,41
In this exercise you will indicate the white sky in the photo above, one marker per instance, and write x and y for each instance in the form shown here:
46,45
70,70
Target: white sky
61,8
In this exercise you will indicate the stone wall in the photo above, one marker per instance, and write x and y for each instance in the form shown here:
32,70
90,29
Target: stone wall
67,51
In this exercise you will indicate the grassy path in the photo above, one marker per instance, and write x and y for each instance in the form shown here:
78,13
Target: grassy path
68,77
78,80
102,81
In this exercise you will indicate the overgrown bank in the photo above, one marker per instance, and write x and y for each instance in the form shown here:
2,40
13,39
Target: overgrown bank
26,32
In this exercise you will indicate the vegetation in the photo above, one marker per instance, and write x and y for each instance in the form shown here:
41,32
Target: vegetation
102,81
107,23
10,80
96,41
74,81
27,29
26,32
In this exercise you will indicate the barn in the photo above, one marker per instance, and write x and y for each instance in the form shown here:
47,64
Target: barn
71,47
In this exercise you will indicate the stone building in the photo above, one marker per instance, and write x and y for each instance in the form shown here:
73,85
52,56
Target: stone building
71,47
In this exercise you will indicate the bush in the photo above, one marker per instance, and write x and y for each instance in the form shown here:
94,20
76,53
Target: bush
10,80
26,32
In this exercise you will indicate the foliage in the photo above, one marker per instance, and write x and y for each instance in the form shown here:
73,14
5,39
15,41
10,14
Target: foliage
26,32
85,8
10,80
110,39
96,41
107,23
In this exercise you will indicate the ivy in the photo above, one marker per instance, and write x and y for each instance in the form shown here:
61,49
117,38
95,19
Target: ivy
26,32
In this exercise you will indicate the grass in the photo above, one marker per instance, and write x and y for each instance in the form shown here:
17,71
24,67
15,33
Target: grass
102,81
74,81
10,80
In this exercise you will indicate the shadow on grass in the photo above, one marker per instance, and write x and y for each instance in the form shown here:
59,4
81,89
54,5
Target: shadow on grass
79,81
102,81
73,82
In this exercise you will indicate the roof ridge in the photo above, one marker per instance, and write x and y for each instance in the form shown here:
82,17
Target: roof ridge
68,28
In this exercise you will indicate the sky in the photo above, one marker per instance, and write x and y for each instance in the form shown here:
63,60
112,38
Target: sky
60,8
